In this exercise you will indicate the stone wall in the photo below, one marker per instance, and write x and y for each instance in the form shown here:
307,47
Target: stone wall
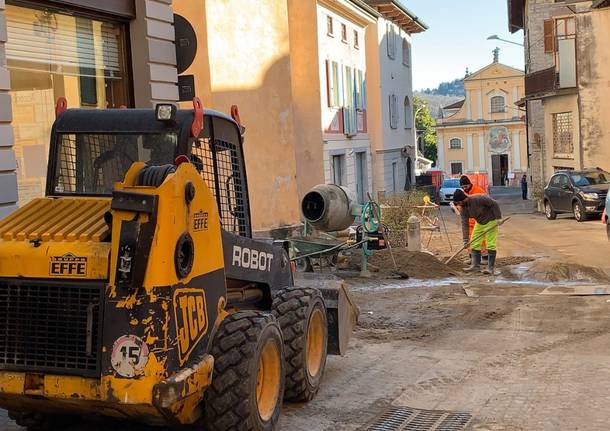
153,53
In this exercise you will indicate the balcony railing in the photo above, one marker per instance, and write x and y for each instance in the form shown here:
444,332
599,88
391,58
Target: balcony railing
541,82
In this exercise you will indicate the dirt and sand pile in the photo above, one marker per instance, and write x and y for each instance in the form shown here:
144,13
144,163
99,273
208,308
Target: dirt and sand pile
416,264
553,271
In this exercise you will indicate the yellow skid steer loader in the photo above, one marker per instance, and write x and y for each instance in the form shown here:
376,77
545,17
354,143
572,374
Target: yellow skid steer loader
134,290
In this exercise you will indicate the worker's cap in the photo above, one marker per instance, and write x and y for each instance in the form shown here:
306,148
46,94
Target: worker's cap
464,181
459,196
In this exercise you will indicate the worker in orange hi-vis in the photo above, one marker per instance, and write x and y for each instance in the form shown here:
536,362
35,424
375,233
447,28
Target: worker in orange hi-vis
472,189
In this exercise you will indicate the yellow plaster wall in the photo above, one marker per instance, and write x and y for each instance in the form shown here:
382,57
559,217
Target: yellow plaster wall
244,58
306,94
374,115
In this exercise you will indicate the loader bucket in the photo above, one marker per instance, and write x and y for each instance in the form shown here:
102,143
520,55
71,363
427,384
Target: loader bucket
341,312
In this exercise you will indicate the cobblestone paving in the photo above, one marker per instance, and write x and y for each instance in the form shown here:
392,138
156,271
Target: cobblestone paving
515,363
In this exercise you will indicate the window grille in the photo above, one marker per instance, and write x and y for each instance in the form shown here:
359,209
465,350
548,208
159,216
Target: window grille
455,144
497,104
92,163
456,168
563,134
94,167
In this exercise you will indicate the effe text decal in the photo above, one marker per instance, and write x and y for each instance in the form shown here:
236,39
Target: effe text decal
252,259
191,319
200,221
68,265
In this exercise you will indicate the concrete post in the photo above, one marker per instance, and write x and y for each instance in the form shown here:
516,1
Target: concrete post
413,234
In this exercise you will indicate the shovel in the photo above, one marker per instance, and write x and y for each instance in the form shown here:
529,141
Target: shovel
479,236
396,272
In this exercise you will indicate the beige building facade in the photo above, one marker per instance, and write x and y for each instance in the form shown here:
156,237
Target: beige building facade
566,84
485,132
297,70
390,96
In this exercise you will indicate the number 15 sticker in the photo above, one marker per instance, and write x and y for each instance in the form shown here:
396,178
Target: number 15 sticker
129,356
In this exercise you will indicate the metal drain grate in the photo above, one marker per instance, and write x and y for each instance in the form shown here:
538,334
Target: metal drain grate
408,419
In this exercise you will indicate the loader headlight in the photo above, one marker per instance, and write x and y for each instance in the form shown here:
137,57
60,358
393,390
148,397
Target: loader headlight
590,196
165,112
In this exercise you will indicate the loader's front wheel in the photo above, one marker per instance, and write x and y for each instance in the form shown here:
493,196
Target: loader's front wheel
248,380
302,316
39,422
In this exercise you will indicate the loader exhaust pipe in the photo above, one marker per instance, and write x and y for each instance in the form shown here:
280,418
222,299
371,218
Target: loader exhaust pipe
329,207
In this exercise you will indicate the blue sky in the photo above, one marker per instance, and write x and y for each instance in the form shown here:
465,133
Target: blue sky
457,39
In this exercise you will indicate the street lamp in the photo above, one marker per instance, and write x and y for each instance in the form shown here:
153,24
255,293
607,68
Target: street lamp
415,141
495,37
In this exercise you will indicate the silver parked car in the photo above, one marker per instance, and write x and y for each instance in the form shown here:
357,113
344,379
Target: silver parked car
447,190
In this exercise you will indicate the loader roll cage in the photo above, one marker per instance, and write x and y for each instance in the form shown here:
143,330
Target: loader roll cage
90,150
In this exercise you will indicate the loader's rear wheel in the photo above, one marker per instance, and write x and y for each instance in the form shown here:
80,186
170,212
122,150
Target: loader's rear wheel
248,380
302,316
38,421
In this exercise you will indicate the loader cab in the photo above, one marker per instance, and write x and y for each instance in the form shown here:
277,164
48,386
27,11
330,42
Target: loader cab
91,150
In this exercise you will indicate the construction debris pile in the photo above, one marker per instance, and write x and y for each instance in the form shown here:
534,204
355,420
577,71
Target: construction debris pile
418,265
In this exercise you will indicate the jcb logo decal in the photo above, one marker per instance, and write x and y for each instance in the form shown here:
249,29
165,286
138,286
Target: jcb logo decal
68,265
191,319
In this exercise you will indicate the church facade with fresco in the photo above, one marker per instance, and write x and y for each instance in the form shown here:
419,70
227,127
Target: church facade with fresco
486,132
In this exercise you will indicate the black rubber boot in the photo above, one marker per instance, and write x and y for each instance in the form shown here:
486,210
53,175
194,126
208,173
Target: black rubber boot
475,261
491,263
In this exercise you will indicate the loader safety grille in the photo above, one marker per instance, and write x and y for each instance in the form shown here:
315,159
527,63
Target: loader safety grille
53,328
220,165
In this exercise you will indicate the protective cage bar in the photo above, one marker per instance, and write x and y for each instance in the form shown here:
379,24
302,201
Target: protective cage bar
51,327
220,163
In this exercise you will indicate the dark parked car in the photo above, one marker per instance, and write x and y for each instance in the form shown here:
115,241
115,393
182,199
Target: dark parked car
582,193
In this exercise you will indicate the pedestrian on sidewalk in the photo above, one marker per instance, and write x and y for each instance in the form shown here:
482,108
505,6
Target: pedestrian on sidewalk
472,189
524,187
486,213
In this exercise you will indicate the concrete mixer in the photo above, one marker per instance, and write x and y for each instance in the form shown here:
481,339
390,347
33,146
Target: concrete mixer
328,209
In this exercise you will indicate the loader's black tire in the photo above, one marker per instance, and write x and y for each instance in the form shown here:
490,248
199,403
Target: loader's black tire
301,314
39,422
248,381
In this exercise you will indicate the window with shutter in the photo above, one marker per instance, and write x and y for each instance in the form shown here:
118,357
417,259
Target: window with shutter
406,53
333,84
393,112
391,40
408,114
549,35
51,53
329,83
